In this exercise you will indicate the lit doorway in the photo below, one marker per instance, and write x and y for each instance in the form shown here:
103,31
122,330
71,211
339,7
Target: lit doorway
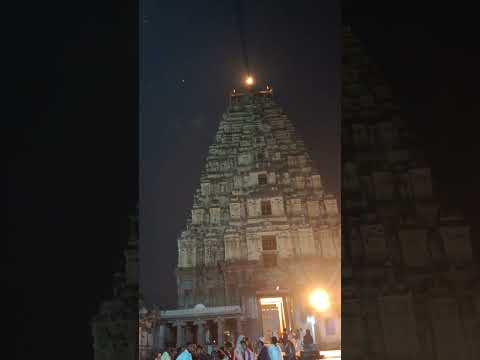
273,316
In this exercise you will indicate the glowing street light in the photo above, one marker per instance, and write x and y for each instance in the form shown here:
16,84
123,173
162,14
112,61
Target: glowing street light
319,300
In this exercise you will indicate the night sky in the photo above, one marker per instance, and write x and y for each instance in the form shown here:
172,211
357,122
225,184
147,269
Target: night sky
72,171
292,46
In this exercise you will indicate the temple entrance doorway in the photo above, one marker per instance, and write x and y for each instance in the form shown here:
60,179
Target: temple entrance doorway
273,316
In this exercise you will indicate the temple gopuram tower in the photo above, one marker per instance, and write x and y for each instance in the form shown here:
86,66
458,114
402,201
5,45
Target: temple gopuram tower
263,232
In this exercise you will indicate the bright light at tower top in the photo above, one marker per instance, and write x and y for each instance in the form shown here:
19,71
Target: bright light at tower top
319,300
249,80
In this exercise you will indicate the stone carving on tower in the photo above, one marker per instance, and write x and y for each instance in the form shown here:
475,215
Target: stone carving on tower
410,286
261,218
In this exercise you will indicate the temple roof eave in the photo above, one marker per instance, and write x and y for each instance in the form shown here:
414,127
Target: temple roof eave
207,312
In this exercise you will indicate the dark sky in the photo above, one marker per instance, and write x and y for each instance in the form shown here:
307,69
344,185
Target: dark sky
430,56
293,46
72,171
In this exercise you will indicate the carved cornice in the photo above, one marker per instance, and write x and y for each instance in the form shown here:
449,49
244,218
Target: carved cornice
206,312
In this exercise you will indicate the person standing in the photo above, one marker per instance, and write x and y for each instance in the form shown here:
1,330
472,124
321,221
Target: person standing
262,349
290,351
221,354
239,352
250,348
284,337
228,350
301,334
247,352
218,355
274,351
167,355
187,353
201,353
307,339
178,351
293,340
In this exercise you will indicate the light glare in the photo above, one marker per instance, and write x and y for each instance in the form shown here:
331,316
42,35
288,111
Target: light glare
320,300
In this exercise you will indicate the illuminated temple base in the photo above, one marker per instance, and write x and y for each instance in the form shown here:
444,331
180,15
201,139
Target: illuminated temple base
217,325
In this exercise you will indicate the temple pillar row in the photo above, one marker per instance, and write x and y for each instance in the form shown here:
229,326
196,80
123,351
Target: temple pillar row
186,331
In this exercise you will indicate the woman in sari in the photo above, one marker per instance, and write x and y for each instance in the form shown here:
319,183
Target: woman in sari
239,352
249,354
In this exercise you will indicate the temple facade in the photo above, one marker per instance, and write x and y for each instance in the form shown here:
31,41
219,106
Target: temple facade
263,234
410,284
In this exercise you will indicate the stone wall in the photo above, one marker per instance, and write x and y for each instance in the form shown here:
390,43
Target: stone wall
409,280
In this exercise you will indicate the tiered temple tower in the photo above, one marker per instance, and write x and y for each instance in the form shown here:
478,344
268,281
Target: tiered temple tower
262,224
410,286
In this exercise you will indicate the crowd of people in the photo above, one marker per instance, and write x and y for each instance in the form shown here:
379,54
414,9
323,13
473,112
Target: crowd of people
285,348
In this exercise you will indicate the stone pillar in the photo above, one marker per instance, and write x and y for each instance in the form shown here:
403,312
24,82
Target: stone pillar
155,338
162,332
244,325
179,325
220,330
240,328
200,331
188,333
